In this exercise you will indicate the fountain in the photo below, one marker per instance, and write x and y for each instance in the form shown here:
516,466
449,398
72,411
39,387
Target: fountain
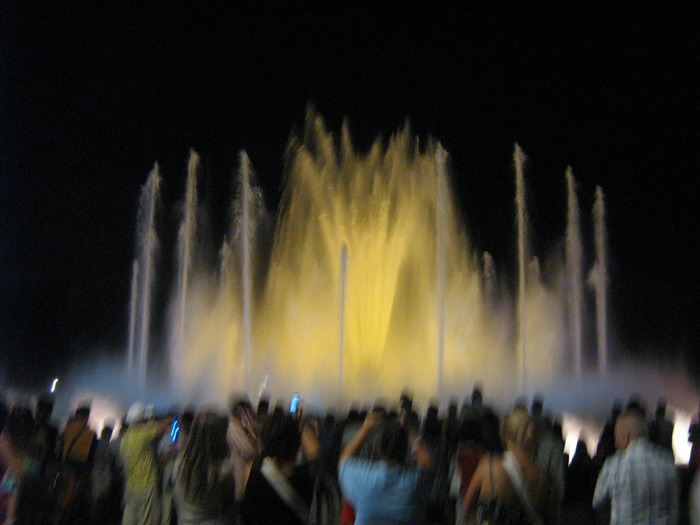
142,282
598,279
521,219
186,243
574,262
369,285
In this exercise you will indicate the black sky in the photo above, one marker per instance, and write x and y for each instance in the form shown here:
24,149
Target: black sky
91,96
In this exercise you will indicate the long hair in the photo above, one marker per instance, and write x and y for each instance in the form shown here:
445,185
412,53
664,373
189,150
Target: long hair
206,448
519,428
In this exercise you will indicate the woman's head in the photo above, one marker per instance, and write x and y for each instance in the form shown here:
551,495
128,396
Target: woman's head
205,450
208,435
518,429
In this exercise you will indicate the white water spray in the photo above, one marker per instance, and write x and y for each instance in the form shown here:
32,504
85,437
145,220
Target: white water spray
521,221
490,283
133,317
147,248
246,273
574,273
186,241
599,280
412,308
341,318
440,262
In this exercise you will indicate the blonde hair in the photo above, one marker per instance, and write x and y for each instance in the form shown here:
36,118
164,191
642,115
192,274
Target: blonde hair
519,428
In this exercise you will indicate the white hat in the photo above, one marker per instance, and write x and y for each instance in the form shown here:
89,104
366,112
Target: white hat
135,413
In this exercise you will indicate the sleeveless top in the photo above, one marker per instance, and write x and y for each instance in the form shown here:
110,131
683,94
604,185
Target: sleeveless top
497,511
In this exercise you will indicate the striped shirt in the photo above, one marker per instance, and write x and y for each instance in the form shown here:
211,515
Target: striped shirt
641,483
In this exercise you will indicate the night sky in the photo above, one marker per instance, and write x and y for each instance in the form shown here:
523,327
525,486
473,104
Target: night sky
92,95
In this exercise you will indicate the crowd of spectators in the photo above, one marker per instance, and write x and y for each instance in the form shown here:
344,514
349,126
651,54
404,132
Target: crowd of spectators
384,465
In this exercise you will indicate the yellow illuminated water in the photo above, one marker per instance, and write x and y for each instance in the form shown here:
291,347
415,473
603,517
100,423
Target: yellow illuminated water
384,206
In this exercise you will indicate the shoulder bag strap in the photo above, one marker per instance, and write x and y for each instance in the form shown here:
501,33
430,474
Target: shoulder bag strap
284,490
512,468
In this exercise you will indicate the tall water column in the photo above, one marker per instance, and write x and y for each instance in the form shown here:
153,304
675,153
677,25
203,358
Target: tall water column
246,273
369,258
341,318
521,221
133,319
574,265
599,280
147,245
186,242
440,262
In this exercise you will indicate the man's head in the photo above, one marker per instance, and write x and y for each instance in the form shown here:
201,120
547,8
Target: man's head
630,425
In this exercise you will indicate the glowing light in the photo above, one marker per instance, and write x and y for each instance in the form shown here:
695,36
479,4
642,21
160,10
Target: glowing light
104,408
681,445
53,385
386,207
416,307
575,428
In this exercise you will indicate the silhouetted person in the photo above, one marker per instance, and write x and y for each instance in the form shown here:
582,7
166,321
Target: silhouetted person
606,443
661,428
77,449
106,497
4,411
25,498
45,434
549,454
450,430
262,409
580,483
694,439
537,407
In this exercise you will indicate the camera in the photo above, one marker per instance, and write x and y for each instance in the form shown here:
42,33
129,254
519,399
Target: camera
174,430
294,404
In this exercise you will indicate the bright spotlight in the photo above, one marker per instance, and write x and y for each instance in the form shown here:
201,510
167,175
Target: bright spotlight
53,385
